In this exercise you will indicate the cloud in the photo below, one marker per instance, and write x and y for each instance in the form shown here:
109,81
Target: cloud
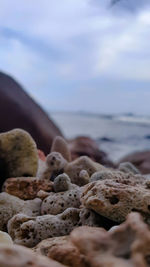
65,47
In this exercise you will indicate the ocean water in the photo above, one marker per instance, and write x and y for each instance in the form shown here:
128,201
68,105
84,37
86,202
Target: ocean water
117,135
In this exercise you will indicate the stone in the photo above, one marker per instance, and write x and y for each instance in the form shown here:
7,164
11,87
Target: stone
120,177
18,256
53,166
56,203
11,205
128,245
78,170
5,239
18,155
61,249
26,187
25,113
128,167
115,200
29,231
62,183
141,160
84,176
90,218
73,169
60,145
86,146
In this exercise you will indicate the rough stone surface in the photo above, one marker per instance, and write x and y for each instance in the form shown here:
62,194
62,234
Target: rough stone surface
54,165
78,170
18,155
90,218
24,113
60,145
62,250
74,168
62,183
11,205
120,177
115,200
128,245
29,231
18,256
56,203
26,187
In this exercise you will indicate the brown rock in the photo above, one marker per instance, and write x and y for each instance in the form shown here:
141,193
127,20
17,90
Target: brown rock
60,145
140,159
85,146
62,250
115,200
18,256
26,187
128,245
18,155
19,110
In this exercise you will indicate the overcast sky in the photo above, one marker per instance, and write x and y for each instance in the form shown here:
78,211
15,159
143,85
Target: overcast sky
79,54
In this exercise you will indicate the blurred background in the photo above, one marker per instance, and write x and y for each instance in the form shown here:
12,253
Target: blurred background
87,63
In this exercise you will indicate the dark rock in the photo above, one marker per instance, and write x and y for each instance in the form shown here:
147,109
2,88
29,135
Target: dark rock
140,159
85,146
105,139
19,110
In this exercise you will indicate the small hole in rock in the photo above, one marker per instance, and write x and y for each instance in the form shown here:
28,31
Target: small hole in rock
113,200
26,175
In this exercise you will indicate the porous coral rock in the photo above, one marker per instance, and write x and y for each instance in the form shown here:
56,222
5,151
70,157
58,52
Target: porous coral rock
26,187
120,177
18,256
61,249
18,155
63,183
54,165
11,205
74,168
29,231
60,145
115,200
128,245
83,175
90,218
78,170
56,203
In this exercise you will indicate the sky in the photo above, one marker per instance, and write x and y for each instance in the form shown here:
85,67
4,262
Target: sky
79,55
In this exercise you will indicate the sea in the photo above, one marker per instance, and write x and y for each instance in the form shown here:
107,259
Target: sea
117,135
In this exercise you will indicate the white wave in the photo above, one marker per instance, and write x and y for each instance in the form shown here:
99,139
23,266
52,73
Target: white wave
133,119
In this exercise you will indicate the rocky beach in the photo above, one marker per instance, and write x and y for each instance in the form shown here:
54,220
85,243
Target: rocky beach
73,205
